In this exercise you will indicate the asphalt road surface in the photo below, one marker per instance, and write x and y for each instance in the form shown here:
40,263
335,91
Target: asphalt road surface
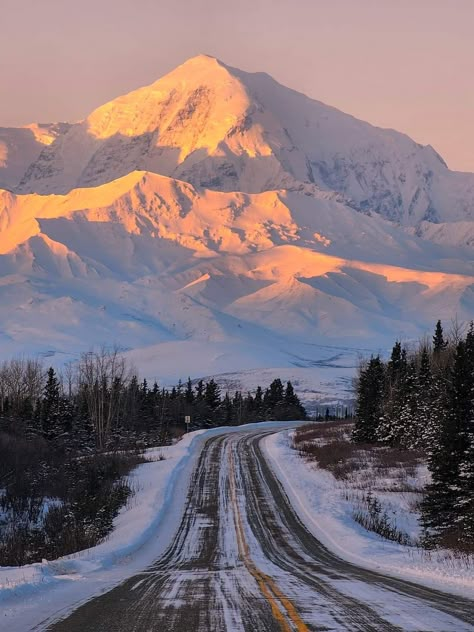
242,561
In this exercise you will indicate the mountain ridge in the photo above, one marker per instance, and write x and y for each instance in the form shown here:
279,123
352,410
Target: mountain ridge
222,128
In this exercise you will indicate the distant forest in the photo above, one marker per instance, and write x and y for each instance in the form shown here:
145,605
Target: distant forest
423,399
68,441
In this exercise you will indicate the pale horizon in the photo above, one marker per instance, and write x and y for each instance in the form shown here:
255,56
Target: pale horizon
405,67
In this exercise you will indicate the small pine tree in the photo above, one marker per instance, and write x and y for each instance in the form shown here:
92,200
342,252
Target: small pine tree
370,389
189,393
407,432
439,343
292,407
258,404
389,429
212,394
439,512
274,396
50,420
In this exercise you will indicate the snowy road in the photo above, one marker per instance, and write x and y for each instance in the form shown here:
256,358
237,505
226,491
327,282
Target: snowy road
242,560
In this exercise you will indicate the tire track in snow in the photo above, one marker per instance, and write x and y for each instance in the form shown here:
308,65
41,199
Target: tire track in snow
242,561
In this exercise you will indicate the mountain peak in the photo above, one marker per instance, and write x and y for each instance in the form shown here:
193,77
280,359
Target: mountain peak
218,127
203,59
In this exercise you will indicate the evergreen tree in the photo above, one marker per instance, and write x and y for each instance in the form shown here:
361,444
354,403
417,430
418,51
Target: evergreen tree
370,389
227,411
274,396
258,404
439,343
238,408
50,419
464,505
293,408
389,429
200,390
465,492
407,432
439,505
189,394
212,394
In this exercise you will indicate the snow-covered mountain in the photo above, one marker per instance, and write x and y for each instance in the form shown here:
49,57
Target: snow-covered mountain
217,222
221,128
22,146
267,277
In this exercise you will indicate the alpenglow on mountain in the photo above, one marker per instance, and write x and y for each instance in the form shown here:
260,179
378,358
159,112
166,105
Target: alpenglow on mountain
216,220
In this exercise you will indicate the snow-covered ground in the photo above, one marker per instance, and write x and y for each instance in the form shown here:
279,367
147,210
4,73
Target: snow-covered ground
142,531
328,383
326,506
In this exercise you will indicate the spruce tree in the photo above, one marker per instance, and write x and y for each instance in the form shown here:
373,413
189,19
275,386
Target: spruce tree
465,491
292,405
439,343
439,505
227,411
389,429
50,420
406,432
212,394
274,396
258,404
200,390
429,404
189,394
370,389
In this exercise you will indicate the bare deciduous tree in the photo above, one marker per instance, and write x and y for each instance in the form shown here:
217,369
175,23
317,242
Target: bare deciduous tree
102,376
20,379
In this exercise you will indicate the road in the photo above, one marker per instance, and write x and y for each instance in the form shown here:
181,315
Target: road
242,561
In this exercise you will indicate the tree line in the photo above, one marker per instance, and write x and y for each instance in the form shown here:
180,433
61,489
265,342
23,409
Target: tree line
99,401
68,441
422,398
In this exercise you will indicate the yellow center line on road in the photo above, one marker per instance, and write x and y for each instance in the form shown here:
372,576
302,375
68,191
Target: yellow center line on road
266,584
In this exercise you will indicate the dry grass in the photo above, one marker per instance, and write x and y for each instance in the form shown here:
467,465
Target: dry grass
367,475
329,445
362,470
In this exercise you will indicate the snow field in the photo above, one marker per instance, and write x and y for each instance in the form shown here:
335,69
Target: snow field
326,506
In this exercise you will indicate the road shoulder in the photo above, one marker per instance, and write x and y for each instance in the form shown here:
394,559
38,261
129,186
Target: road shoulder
316,500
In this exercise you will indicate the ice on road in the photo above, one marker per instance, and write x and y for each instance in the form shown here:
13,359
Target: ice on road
243,561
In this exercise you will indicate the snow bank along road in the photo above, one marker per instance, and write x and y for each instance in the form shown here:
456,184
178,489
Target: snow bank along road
242,560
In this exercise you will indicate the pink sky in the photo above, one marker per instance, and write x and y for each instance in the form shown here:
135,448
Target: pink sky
405,64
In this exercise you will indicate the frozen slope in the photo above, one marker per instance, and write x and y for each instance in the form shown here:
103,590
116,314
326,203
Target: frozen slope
21,146
204,282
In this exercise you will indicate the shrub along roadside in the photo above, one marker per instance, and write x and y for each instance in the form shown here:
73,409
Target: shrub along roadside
54,503
362,470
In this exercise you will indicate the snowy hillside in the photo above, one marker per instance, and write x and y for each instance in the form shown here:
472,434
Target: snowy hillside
218,222
238,281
